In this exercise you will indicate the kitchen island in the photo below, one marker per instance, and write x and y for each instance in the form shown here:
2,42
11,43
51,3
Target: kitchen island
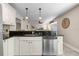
22,46
33,44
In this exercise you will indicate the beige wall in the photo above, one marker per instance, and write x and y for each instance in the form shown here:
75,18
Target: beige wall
71,34
24,24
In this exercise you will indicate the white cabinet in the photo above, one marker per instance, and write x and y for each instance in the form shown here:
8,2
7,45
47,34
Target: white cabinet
27,46
31,46
9,15
8,45
60,45
23,46
36,49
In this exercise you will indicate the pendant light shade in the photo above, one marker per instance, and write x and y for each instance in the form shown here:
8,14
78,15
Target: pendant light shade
26,14
26,17
40,17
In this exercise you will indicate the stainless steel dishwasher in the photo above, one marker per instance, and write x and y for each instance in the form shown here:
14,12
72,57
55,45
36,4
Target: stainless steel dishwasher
49,45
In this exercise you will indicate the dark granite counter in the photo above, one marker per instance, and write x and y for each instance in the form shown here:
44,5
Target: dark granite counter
44,34
31,33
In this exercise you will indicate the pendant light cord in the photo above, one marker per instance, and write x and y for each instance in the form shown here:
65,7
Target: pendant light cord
26,11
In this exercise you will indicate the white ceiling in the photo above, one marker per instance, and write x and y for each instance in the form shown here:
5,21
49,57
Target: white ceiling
49,10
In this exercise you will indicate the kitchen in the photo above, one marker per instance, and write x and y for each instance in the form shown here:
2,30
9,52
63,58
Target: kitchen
29,30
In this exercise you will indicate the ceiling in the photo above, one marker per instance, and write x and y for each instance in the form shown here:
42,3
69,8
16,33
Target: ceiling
49,10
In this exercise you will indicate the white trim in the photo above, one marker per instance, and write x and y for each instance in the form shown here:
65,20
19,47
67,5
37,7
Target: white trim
71,47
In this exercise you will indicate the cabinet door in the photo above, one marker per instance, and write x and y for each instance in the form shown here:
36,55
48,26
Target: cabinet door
30,46
16,47
24,47
5,47
9,14
60,45
36,48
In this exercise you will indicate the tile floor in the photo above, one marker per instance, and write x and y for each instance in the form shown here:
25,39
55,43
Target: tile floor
69,52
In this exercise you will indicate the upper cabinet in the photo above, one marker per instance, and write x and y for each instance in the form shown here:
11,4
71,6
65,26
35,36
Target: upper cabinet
8,14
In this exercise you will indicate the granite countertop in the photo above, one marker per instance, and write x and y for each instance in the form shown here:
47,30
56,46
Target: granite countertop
59,35
44,37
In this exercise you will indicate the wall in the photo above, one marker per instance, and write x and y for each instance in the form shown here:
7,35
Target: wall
54,26
18,21
1,36
71,34
24,24
18,15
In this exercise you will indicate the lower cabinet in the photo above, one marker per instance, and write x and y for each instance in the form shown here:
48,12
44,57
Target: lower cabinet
60,45
31,46
23,46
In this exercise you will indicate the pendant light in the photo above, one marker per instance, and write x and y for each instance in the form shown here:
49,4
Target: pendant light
40,17
26,14
40,13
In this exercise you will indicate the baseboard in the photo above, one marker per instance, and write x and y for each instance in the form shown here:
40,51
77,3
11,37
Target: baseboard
71,47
